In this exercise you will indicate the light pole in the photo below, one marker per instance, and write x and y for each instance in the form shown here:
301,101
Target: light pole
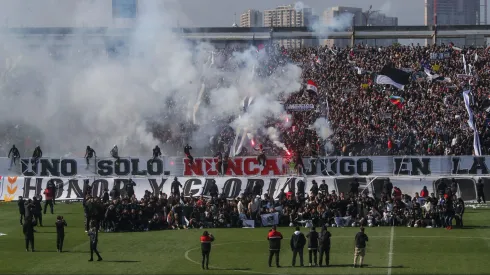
368,14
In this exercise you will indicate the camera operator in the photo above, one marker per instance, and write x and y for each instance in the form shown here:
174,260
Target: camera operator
60,232
15,155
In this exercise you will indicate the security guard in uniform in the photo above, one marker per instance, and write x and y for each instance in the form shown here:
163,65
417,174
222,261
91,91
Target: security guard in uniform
274,237
206,240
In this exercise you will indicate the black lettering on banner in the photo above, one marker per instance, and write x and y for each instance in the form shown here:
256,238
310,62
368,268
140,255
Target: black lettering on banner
343,184
420,167
401,166
50,167
120,185
272,187
98,187
56,182
257,186
105,167
151,167
207,187
457,167
466,187
312,167
364,167
60,187
69,167
26,164
73,186
478,165
248,190
86,184
347,167
232,188
324,167
155,187
123,163
135,168
192,187
290,184
28,187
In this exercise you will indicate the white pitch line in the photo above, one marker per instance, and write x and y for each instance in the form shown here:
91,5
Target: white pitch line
390,253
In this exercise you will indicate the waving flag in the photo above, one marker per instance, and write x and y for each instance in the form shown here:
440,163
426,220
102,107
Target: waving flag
311,86
392,76
398,101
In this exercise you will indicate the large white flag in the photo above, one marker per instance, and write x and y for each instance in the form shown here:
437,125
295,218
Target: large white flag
383,79
476,137
248,223
270,219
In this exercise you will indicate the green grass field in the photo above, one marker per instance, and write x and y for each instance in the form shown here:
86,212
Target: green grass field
240,251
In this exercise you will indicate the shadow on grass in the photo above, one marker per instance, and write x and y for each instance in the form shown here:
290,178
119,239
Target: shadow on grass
231,269
474,227
123,261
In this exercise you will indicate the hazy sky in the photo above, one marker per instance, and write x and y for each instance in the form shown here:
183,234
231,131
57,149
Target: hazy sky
221,12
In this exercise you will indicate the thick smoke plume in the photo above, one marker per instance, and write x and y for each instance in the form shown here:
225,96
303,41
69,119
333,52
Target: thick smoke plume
89,97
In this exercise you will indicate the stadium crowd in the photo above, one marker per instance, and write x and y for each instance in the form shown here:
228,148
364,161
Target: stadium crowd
116,211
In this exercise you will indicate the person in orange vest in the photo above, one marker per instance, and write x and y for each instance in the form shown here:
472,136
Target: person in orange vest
48,199
206,240
274,238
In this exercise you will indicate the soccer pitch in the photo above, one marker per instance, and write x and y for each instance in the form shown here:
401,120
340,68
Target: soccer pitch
399,250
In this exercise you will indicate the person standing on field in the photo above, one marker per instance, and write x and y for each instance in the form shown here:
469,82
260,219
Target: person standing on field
298,242
94,239
60,233
274,237
206,240
312,246
360,249
324,245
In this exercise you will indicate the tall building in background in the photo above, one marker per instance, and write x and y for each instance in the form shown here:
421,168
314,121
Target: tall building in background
452,12
251,18
360,18
289,16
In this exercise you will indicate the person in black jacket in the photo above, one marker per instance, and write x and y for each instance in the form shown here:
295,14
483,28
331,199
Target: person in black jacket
15,155
312,246
324,188
206,240
274,237
176,185
36,155
130,188
298,242
479,191
60,232
187,152
360,249
89,153
324,245
156,154
314,188
38,210
387,187
94,239
115,194
28,229
213,189
354,188
22,209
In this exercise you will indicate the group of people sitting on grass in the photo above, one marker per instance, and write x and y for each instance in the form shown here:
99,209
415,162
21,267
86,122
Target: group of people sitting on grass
315,208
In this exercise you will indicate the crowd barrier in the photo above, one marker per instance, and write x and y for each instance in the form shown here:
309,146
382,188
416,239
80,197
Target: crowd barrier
73,188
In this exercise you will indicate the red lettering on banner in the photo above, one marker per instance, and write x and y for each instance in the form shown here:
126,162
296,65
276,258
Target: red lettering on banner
210,170
235,167
195,169
247,165
271,165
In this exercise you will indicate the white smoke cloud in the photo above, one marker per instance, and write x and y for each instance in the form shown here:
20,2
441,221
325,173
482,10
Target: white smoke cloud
273,135
90,98
323,130
386,8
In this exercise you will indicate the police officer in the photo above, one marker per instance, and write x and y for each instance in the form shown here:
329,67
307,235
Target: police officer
206,240
274,237
22,209
324,245
312,246
94,239
89,153
60,232
28,229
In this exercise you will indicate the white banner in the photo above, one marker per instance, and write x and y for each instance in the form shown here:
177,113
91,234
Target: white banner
270,219
300,107
248,223
229,187
144,167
